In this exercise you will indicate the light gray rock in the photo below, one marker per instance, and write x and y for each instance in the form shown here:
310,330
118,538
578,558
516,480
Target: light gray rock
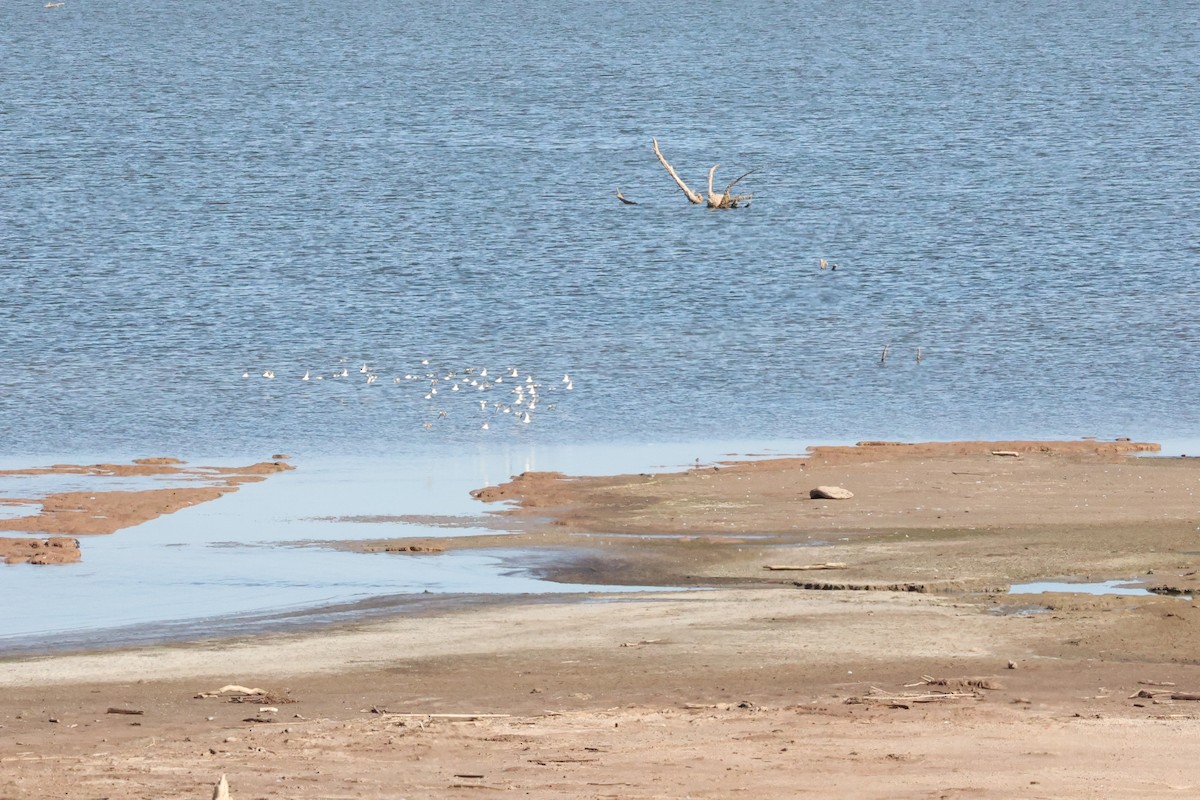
830,493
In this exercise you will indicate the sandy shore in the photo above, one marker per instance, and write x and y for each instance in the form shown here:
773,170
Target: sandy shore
951,688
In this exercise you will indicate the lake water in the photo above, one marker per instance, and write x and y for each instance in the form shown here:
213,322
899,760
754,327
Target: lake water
196,191
191,190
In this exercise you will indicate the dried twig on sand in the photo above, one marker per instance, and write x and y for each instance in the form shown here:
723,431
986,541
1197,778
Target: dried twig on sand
956,683
458,717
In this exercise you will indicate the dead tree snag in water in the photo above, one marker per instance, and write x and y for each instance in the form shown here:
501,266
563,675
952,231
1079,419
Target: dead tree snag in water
725,199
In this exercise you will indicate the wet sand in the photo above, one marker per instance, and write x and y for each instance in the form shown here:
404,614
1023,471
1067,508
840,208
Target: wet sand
102,511
951,688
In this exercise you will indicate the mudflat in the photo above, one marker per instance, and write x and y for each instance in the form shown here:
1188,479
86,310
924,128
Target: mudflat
101,511
861,647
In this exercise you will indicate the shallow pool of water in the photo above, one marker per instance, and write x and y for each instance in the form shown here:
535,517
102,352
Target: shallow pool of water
1129,588
251,553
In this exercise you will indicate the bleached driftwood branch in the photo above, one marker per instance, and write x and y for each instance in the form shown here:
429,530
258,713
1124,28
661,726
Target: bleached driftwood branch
725,199
691,195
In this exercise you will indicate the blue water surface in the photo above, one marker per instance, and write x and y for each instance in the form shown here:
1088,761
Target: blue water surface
192,191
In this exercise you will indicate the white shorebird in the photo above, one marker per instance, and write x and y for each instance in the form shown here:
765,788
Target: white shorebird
305,377
525,418
372,378
246,374
268,374
483,427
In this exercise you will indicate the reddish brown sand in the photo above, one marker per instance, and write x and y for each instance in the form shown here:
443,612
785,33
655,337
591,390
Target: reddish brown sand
758,689
52,550
71,514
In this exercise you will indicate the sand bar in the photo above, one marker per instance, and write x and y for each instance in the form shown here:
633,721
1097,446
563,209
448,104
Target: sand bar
104,511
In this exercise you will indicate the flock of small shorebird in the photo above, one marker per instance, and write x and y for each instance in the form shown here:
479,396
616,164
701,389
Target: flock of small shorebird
524,393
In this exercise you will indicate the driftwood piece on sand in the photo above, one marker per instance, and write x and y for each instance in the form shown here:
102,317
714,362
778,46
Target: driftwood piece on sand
900,699
725,199
1166,695
233,689
826,565
955,683
462,717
